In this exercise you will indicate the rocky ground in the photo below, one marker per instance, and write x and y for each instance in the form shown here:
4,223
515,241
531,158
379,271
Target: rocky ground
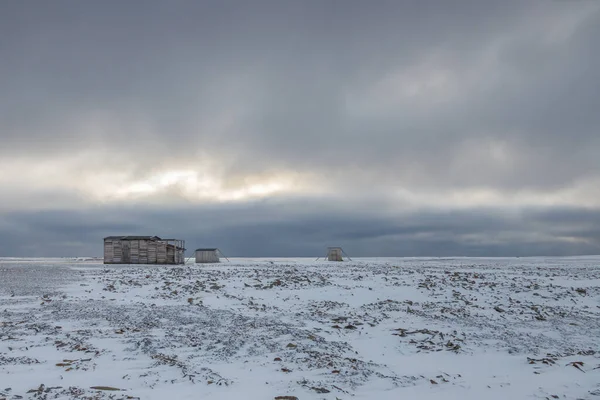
259,329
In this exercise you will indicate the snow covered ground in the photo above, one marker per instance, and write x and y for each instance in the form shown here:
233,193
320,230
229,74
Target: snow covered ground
456,328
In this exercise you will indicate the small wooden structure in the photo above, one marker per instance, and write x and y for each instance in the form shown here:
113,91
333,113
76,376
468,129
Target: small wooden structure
207,256
335,254
143,250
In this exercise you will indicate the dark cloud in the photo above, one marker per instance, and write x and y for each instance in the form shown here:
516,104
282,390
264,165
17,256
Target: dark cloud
277,230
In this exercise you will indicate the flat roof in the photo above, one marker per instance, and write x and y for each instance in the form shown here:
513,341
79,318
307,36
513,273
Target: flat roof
213,249
133,237
141,238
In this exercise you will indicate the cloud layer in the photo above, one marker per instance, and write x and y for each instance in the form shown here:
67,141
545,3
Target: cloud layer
280,127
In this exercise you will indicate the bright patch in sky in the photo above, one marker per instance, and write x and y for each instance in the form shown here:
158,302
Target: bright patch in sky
192,185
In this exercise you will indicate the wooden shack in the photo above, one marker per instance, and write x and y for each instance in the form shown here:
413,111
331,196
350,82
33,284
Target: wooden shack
207,256
334,254
143,250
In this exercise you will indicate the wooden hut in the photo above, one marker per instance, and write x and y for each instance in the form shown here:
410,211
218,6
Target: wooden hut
334,254
143,250
204,256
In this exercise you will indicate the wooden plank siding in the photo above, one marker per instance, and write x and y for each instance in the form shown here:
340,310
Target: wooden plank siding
161,253
152,247
143,257
118,252
109,254
334,254
135,251
207,256
143,250
170,254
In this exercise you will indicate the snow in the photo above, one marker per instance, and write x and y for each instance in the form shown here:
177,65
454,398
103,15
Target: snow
436,328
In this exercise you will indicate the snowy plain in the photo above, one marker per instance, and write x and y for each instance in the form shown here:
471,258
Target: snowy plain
404,328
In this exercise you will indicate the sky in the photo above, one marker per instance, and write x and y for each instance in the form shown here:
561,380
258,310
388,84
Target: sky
279,128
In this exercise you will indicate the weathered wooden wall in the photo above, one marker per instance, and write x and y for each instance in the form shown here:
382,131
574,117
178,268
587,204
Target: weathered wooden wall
207,256
134,251
161,253
143,257
334,254
109,253
170,254
117,251
152,253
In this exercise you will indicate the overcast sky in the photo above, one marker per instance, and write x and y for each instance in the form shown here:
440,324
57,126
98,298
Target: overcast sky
278,128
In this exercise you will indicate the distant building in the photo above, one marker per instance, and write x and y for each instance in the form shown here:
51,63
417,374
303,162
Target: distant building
143,250
334,254
207,256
